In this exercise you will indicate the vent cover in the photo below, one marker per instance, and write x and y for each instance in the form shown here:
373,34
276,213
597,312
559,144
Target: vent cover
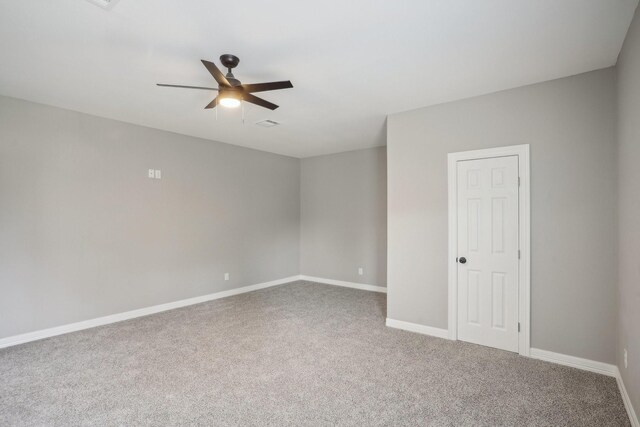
105,4
267,123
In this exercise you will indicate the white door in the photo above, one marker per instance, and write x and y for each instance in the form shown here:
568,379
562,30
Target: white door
488,251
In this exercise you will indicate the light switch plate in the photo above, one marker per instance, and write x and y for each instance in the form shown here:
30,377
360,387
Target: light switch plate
152,173
226,276
158,174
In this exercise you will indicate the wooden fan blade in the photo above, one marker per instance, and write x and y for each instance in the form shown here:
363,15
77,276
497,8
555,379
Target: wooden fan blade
187,87
263,87
216,73
258,101
213,103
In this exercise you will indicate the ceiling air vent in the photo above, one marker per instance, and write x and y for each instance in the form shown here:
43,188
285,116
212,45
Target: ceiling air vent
105,4
267,123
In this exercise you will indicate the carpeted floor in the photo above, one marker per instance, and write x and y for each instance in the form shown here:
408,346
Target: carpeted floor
296,354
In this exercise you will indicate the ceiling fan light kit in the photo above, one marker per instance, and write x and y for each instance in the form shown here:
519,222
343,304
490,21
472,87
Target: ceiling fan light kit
230,102
229,99
231,92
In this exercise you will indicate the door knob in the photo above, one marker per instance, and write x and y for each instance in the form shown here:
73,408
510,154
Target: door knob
463,260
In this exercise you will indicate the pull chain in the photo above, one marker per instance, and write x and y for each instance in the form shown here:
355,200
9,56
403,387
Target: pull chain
242,104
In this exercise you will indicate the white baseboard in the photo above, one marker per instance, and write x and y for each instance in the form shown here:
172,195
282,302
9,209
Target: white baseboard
420,329
627,401
574,362
354,285
113,318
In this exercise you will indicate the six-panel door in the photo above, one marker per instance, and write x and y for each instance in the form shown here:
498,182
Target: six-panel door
488,239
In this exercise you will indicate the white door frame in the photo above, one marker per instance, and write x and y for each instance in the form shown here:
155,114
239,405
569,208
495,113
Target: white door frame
524,237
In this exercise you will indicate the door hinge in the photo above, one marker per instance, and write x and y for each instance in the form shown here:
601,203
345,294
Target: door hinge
518,253
518,181
518,326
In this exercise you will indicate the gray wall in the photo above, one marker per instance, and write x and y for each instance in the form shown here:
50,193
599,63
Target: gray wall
629,210
344,202
84,233
570,125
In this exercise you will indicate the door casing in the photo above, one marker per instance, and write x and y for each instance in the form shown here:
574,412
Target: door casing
524,235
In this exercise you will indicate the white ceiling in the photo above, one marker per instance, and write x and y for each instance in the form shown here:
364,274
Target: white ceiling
351,62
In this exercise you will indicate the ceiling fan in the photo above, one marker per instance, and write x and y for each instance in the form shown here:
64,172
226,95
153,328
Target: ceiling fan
230,91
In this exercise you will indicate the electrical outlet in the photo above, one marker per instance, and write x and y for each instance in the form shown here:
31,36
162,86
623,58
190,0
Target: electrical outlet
626,364
158,174
152,173
226,276
360,271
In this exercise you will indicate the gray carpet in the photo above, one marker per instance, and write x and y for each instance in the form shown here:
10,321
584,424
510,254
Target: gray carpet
297,354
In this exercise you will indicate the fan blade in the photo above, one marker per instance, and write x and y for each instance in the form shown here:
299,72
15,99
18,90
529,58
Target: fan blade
258,101
187,87
212,104
216,73
263,87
